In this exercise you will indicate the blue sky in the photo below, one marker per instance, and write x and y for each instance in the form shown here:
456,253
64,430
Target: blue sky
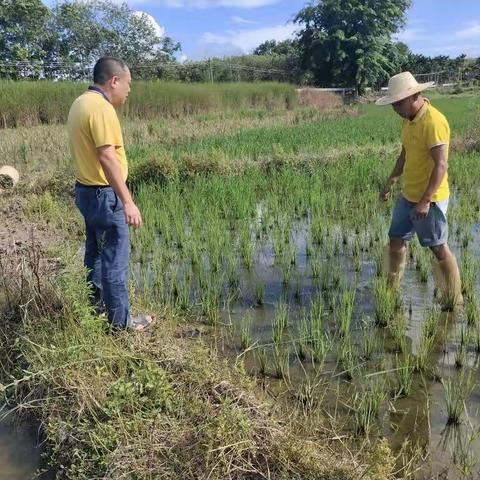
228,27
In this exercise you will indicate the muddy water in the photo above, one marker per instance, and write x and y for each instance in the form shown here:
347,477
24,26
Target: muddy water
20,453
420,418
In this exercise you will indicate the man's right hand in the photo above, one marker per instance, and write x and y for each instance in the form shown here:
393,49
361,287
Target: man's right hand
132,215
385,193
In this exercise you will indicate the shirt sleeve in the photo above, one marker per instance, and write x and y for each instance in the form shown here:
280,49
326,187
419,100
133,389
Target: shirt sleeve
437,132
105,128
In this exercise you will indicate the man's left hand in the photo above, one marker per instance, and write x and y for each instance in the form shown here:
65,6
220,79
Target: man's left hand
421,209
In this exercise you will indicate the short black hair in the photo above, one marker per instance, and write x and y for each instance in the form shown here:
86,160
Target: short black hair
106,68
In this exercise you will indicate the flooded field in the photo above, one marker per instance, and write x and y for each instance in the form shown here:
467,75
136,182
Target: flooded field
287,268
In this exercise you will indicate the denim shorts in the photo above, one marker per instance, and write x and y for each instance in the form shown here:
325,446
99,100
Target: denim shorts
431,231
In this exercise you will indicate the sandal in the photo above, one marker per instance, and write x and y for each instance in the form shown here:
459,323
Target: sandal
139,323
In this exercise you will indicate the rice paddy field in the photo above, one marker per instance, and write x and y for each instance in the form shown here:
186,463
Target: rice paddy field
263,228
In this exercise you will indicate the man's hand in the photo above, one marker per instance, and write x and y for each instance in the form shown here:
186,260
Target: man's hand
421,209
386,190
132,215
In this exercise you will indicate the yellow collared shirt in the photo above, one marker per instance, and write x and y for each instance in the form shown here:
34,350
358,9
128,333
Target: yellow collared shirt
93,123
428,129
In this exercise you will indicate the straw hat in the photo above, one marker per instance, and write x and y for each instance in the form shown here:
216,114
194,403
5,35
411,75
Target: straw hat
401,86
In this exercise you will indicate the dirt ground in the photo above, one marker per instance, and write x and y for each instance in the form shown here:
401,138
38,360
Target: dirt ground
17,232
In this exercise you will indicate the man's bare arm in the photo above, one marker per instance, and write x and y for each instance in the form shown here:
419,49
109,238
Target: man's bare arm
394,176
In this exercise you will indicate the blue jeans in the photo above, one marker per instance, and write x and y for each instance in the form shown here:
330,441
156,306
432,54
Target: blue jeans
107,249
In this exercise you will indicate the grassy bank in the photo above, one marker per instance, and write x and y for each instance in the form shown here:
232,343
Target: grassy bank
44,102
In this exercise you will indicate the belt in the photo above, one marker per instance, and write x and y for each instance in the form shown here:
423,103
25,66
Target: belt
78,184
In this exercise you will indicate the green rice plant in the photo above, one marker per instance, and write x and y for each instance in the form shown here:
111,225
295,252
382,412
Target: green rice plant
280,323
469,268
262,357
310,394
304,336
346,357
387,302
344,311
246,331
246,247
367,403
428,339
398,328
320,346
457,390
404,368
317,310
370,343
286,274
472,310
281,362
422,264
461,352
182,293
260,293
316,266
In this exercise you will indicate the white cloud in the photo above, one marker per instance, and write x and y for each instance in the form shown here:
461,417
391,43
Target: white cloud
241,21
472,31
243,41
182,58
159,30
212,3
410,34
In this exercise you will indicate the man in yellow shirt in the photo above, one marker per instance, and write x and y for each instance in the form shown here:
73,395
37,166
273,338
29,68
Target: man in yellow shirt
101,192
422,207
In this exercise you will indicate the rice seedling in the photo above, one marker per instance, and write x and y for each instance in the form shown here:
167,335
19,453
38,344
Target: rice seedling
472,310
457,390
346,357
345,311
281,362
461,352
404,368
422,264
182,292
262,358
304,336
367,403
397,326
387,302
246,331
260,293
370,342
428,340
310,394
469,267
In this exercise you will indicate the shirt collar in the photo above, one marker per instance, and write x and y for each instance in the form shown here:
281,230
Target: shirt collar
422,111
94,88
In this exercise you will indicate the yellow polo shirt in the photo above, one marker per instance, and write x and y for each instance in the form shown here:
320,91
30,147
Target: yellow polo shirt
428,129
93,123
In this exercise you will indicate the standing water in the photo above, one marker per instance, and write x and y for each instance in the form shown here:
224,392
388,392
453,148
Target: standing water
20,453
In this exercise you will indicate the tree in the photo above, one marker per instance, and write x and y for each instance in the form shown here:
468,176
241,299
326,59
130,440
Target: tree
272,47
22,35
347,42
90,29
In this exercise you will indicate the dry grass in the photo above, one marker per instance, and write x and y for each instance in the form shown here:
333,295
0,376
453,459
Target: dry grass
321,100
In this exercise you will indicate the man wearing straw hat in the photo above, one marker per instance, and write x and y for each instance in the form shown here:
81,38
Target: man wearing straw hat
422,206
101,192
